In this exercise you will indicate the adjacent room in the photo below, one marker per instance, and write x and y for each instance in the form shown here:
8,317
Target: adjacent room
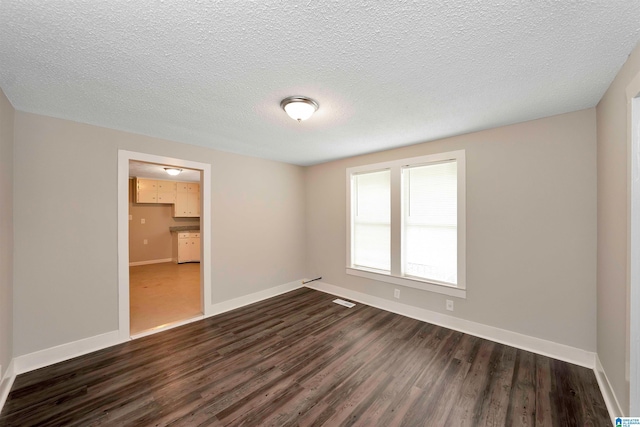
164,246
320,213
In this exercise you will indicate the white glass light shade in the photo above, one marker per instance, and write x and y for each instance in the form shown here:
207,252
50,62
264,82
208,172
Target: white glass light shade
299,107
173,171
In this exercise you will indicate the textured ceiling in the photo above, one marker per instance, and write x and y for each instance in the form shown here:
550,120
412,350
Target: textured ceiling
385,73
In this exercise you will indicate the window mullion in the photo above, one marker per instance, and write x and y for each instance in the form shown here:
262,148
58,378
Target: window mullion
396,221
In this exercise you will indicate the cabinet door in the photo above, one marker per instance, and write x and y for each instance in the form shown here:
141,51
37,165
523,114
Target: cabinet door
167,186
146,190
180,209
184,250
144,184
182,187
167,191
166,197
193,205
193,187
146,197
192,251
195,243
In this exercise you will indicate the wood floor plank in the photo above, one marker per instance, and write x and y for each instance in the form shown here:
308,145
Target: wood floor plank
522,402
301,360
496,396
443,394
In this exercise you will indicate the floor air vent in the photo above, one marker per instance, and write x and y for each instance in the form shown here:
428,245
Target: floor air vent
343,302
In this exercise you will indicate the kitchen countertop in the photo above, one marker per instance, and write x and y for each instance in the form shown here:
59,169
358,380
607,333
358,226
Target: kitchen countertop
179,228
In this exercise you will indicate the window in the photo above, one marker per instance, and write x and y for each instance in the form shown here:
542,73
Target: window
406,222
372,221
429,222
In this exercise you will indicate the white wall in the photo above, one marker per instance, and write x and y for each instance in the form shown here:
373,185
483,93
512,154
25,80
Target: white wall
6,231
65,201
531,228
613,230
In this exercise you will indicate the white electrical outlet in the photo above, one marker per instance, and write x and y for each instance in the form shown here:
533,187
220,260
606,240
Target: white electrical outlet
142,221
145,241
396,293
449,305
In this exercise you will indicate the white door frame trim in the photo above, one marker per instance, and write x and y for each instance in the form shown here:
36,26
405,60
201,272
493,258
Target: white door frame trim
632,367
633,291
123,231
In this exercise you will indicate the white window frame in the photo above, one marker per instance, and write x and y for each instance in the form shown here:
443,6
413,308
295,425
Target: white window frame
395,276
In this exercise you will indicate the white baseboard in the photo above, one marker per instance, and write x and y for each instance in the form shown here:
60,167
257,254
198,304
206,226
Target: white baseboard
536,345
50,356
6,382
151,261
39,359
610,399
59,353
232,304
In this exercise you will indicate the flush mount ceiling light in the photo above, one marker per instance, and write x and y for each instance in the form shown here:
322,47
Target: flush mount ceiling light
299,107
173,171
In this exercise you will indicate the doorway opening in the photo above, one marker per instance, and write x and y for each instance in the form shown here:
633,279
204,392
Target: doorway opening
163,243
164,246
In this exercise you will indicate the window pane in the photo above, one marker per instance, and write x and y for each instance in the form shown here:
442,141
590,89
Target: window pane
372,220
430,222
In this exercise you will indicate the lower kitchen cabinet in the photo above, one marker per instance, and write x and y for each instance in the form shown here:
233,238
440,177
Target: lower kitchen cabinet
186,247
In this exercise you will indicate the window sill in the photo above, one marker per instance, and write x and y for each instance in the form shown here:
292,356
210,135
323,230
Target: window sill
409,282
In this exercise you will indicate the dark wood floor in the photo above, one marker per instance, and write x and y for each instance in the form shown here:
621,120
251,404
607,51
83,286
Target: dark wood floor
299,359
